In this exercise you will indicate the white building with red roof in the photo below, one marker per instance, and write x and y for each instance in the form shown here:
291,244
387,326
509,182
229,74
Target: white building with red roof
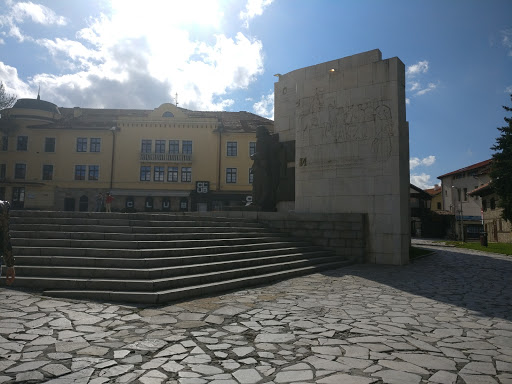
467,209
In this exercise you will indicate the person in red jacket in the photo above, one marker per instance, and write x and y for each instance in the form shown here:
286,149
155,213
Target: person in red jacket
108,202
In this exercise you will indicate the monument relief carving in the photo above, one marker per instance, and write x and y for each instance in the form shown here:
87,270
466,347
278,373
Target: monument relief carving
347,123
352,143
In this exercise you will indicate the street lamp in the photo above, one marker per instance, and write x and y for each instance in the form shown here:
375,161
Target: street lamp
461,215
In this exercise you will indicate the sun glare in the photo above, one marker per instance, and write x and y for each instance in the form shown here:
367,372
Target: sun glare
198,13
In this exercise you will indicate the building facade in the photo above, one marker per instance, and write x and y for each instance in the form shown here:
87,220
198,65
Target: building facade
466,209
166,159
498,229
437,198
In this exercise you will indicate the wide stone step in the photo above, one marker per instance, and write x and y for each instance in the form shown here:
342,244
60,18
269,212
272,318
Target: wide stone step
71,221
159,284
128,233
152,253
156,216
186,241
154,257
183,293
156,262
147,273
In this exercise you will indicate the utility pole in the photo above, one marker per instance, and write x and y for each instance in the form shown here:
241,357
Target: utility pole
461,222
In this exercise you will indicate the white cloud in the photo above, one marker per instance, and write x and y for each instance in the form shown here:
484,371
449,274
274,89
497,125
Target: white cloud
508,89
419,67
421,181
111,64
37,13
426,161
506,40
414,78
430,87
13,84
253,8
414,85
265,107
21,12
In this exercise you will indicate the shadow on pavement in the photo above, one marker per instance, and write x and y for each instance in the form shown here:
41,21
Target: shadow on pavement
477,282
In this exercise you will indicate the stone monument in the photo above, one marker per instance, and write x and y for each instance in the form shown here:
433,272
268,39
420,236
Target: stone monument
347,118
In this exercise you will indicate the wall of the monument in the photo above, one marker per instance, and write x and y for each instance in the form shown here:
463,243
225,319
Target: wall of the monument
352,145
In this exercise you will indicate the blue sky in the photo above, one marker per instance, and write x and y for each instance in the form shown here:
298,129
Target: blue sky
222,55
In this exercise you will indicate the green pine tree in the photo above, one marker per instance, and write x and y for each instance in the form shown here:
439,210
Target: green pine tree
501,170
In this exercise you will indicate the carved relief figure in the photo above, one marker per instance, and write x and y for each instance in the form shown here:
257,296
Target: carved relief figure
382,143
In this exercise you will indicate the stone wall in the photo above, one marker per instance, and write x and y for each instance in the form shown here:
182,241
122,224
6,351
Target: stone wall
346,234
348,119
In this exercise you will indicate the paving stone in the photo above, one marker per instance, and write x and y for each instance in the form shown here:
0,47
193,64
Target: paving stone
293,376
30,366
56,369
274,338
242,351
428,361
397,377
476,367
153,377
478,379
172,366
247,376
146,345
118,370
403,366
93,351
344,378
443,377
29,376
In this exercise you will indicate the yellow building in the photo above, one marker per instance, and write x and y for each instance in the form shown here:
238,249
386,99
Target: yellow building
436,204
166,159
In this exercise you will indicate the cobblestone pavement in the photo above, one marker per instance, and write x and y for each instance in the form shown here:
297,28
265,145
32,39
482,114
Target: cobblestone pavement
446,318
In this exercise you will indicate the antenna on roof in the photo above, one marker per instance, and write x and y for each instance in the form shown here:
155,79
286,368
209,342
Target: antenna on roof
176,99
38,91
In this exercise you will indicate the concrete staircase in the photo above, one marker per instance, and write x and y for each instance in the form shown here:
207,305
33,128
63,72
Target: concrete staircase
153,258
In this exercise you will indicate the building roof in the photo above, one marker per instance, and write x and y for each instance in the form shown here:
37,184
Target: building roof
105,118
434,191
36,104
481,164
419,191
482,190
235,121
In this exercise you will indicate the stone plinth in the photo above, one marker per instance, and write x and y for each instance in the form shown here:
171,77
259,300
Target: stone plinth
348,119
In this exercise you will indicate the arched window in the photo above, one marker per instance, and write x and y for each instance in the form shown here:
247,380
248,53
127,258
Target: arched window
167,114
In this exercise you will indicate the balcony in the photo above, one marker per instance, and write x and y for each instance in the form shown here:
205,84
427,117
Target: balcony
166,157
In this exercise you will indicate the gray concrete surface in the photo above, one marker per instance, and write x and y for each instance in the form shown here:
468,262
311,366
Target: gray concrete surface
445,318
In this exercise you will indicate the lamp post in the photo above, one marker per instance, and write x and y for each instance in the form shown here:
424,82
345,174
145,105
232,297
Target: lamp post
460,211
113,130
461,222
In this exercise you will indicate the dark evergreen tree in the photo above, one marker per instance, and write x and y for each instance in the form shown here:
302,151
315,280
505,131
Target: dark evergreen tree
501,170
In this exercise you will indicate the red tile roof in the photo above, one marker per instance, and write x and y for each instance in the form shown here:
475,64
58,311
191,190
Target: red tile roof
481,164
480,189
434,191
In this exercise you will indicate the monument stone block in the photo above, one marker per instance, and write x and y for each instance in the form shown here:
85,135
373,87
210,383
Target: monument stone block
348,120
